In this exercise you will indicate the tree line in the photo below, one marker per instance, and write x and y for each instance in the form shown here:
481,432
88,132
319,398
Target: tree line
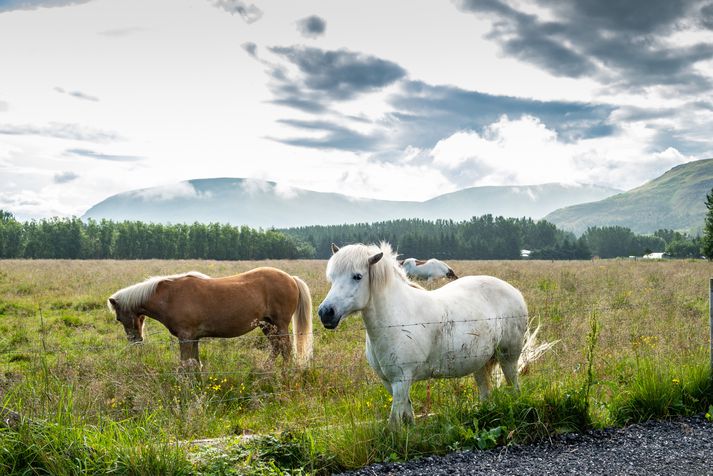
72,238
489,237
484,237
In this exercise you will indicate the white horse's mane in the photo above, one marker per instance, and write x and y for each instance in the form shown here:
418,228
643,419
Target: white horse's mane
350,258
134,296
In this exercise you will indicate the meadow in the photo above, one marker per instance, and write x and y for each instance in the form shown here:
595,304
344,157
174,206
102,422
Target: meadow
632,344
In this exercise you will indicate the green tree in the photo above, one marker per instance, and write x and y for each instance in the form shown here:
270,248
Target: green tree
707,241
11,233
683,249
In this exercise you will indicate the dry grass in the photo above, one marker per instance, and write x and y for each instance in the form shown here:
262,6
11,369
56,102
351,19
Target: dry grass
57,335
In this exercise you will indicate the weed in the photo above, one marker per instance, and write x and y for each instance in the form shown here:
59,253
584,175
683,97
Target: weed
19,358
592,339
661,391
70,320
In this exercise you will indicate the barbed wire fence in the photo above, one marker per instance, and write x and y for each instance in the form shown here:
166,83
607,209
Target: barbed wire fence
237,372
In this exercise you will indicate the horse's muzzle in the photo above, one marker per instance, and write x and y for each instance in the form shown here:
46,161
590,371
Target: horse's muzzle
328,317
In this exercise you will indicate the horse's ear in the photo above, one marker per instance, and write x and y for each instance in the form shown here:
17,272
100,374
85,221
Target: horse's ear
375,259
335,248
401,262
113,303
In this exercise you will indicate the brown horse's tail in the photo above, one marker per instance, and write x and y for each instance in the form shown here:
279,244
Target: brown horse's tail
302,324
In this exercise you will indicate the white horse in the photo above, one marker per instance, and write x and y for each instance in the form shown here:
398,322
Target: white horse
430,270
462,328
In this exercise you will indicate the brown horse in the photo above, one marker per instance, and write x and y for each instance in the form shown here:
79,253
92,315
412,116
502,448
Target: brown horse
192,305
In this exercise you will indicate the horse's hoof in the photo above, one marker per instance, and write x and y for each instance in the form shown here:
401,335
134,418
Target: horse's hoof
191,365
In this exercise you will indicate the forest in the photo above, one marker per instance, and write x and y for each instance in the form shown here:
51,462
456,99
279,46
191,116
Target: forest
484,237
72,238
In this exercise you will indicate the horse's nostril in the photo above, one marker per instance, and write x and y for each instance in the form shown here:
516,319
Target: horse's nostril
326,312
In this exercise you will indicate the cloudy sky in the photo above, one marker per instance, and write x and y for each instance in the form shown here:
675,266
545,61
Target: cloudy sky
397,99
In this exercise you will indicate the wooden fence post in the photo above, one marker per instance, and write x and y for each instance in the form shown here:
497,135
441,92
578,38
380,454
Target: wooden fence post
710,318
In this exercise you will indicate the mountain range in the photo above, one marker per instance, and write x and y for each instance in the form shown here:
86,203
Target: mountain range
674,200
262,204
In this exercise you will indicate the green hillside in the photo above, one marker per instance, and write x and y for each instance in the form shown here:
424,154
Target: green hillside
674,200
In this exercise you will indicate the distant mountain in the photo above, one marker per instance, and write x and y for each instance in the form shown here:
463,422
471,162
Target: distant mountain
675,200
267,204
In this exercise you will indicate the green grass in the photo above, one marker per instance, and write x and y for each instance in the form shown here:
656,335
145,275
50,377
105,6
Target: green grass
660,391
66,444
95,404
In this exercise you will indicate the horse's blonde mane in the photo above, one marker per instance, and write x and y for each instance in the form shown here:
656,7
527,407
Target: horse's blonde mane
134,296
351,259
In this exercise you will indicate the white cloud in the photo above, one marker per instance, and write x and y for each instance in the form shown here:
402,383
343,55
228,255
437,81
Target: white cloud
528,192
394,182
410,154
249,12
65,177
525,152
509,152
253,186
170,192
59,130
285,191
44,203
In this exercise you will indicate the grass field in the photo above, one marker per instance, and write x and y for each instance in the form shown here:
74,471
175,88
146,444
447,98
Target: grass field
633,344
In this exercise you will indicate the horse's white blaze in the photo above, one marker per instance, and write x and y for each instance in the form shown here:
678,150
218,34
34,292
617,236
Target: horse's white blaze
414,334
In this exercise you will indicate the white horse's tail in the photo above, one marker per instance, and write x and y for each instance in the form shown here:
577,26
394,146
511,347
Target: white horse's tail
531,351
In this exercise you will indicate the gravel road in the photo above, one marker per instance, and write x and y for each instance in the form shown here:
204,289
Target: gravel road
676,447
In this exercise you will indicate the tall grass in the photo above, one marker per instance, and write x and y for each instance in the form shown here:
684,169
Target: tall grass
633,343
661,391
66,444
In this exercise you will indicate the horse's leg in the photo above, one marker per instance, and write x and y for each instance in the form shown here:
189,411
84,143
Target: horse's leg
509,367
482,379
374,363
401,408
279,340
284,344
189,353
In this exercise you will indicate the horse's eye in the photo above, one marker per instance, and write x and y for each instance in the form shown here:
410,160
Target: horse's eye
357,277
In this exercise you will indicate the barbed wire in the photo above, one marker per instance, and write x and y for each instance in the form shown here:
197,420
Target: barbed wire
257,338
440,366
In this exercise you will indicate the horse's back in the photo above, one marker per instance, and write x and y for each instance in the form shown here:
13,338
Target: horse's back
439,267
256,274
429,269
266,286
486,295
266,279
231,305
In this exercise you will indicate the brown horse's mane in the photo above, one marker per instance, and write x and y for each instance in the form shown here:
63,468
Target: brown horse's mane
134,296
